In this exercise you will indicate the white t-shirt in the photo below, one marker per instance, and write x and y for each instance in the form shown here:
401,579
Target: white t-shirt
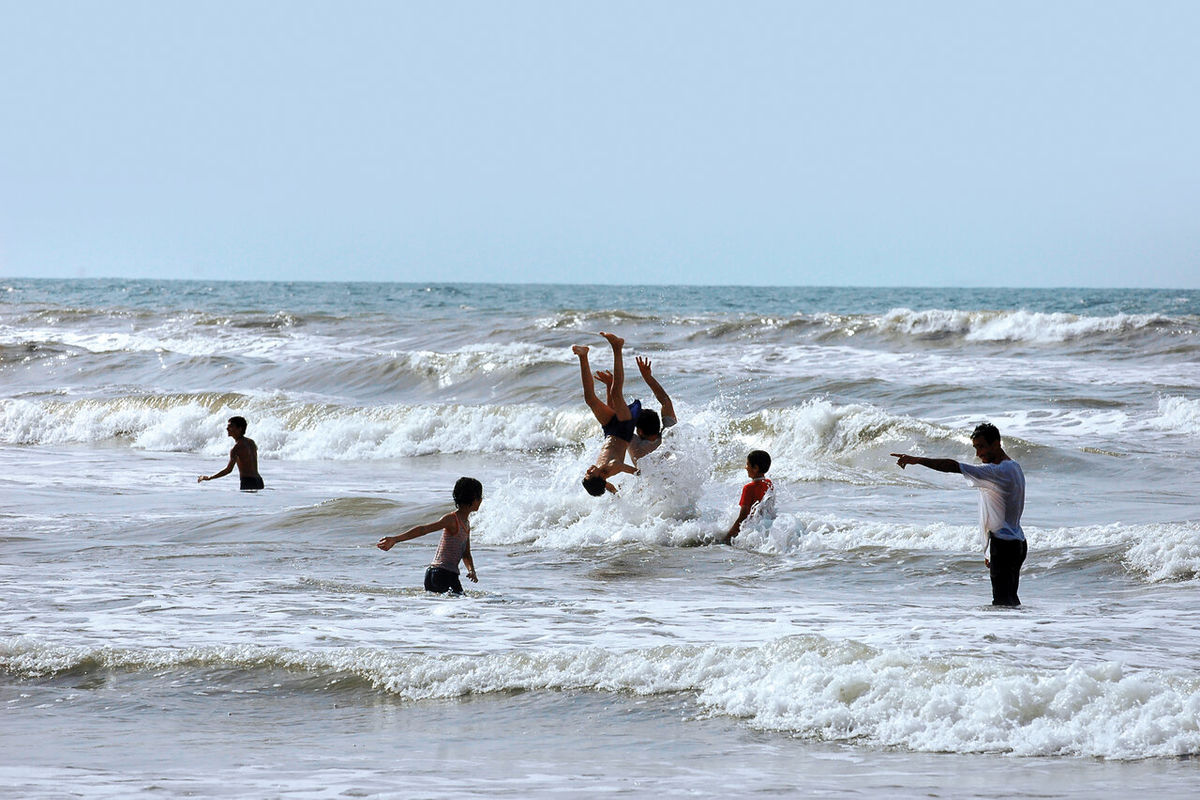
1001,497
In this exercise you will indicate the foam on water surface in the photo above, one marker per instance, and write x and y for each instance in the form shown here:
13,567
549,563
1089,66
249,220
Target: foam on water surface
858,619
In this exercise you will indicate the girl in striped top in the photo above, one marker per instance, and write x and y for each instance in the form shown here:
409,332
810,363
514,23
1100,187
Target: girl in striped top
455,546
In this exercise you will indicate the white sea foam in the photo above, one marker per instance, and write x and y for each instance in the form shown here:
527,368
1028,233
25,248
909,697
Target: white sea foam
807,686
1155,552
1178,415
1174,414
932,368
481,360
659,506
1008,326
1077,426
677,502
1166,552
181,336
683,495
806,440
806,437
201,336
286,428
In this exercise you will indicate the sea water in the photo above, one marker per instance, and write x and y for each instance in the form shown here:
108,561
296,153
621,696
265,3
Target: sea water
162,638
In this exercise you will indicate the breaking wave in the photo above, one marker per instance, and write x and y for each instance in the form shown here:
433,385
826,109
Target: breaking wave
1011,326
805,685
285,428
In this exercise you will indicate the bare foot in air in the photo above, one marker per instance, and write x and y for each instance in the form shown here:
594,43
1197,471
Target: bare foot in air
613,339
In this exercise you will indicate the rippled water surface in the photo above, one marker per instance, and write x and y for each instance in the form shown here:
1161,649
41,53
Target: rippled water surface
194,639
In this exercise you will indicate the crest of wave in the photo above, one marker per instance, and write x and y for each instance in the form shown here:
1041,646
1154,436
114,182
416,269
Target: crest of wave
478,360
1157,552
806,685
1166,552
1178,415
805,535
59,422
1163,551
308,431
1008,326
287,428
820,440
589,321
196,335
396,431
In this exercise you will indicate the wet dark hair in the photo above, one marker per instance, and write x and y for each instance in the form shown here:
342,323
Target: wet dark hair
239,422
986,431
648,423
594,485
467,491
760,460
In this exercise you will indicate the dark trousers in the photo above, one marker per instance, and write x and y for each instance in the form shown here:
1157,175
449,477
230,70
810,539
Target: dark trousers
440,580
1007,557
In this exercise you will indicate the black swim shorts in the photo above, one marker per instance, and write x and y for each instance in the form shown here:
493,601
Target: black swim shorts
440,581
622,429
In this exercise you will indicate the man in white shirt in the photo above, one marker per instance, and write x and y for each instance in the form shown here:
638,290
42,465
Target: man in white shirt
1001,485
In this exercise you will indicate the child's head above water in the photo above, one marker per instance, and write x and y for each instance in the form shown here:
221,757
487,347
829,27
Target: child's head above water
648,424
594,483
467,491
759,461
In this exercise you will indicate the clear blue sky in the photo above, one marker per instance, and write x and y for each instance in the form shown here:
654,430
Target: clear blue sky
915,143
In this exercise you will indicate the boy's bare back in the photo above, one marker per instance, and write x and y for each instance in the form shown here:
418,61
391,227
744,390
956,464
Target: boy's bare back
245,454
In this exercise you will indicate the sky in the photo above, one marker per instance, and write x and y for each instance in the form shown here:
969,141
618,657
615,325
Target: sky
1024,144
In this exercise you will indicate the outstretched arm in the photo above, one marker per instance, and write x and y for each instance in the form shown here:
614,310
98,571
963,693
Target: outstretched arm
228,469
448,523
939,464
660,394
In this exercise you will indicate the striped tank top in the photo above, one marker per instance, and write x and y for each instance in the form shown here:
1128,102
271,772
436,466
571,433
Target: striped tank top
452,546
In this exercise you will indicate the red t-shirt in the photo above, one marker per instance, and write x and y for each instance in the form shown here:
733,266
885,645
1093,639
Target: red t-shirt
754,491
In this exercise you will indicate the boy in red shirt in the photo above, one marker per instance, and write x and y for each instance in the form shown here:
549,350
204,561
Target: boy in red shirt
757,495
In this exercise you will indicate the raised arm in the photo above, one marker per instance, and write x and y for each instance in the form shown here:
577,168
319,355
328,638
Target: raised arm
660,394
446,523
939,464
606,377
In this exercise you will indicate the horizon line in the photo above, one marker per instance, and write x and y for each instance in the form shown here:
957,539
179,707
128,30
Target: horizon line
602,285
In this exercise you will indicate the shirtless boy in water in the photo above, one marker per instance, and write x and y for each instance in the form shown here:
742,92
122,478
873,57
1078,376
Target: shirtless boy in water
244,454
616,420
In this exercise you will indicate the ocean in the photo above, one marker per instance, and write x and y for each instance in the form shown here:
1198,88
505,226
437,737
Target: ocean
164,638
